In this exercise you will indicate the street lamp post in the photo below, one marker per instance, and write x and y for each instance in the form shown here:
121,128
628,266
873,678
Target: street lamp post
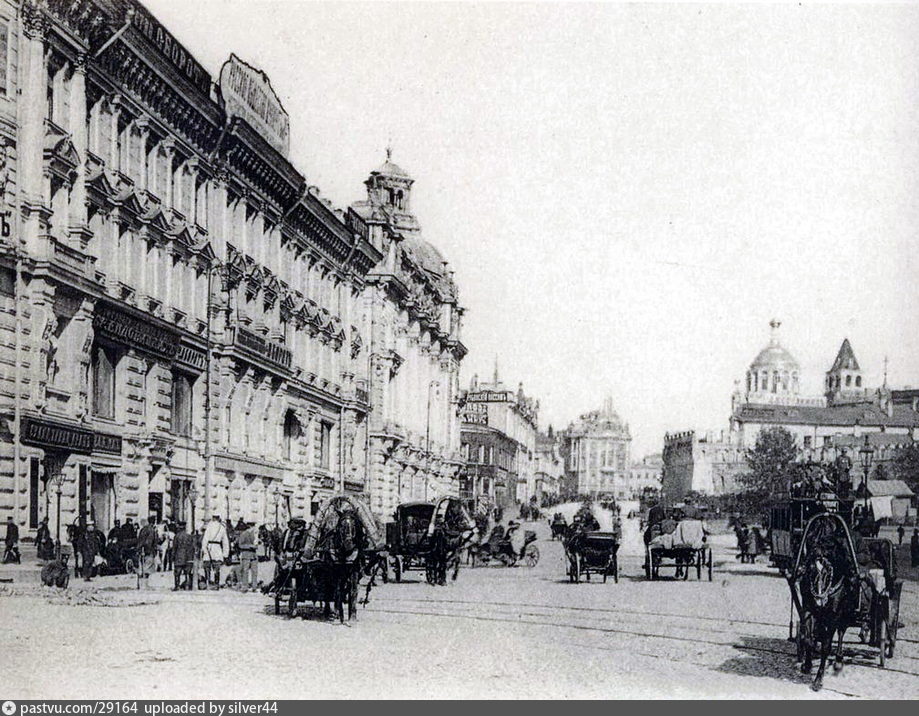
427,438
192,499
867,454
58,488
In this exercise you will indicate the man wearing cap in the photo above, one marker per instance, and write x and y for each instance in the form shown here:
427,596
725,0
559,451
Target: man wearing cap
215,548
183,557
247,543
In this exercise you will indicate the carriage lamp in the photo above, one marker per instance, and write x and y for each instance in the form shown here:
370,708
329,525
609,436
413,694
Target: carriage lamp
866,453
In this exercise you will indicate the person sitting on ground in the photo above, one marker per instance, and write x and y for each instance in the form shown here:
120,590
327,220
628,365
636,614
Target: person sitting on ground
56,573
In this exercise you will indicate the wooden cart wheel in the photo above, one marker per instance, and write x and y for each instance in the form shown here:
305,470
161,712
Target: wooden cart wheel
616,569
531,556
700,558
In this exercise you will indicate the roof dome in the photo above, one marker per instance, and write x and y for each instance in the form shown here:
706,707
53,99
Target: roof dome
774,355
427,255
390,168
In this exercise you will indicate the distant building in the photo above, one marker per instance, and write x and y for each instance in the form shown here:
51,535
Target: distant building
700,463
549,466
821,425
498,439
647,473
596,449
848,406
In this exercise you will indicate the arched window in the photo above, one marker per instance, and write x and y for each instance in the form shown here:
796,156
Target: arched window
775,381
858,381
290,435
392,196
400,199
103,377
848,380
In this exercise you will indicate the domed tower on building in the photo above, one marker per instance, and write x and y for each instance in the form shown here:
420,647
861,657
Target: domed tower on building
389,191
773,376
844,379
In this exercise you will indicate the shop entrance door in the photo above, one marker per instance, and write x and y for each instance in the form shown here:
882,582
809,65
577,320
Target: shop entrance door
155,505
100,501
178,494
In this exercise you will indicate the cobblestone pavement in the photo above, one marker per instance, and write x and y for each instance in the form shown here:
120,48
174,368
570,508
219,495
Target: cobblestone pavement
495,632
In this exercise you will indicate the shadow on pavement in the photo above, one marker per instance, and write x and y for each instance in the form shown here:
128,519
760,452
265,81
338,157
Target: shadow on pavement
767,657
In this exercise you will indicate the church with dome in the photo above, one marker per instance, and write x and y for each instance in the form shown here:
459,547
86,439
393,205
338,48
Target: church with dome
770,396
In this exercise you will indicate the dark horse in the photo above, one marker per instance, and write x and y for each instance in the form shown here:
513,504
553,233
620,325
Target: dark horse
827,577
443,554
342,558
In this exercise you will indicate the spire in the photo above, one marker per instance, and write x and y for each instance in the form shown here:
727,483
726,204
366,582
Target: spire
886,361
496,368
389,150
845,359
774,324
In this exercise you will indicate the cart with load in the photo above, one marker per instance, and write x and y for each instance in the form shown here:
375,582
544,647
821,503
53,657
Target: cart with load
683,549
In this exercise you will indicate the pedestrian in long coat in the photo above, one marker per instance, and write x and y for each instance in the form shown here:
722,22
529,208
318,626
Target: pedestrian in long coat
147,543
90,548
183,558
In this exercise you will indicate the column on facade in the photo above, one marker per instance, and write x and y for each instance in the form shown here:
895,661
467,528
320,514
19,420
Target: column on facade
79,136
33,102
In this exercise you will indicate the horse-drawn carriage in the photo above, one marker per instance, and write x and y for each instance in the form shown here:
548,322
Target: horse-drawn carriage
683,549
323,563
593,553
839,576
428,536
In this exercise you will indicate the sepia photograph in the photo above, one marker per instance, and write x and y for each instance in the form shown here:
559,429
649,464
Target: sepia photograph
456,350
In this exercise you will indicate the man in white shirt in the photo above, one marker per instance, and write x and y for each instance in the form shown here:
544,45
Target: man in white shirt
215,548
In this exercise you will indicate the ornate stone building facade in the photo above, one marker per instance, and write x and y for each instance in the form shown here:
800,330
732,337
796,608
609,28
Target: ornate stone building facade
499,434
411,314
596,449
180,312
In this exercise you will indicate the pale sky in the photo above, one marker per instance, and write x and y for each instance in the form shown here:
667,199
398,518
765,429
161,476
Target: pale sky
627,193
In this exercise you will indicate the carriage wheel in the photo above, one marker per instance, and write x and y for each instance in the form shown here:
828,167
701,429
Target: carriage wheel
531,558
129,567
709,565
397,569
616,568
700,558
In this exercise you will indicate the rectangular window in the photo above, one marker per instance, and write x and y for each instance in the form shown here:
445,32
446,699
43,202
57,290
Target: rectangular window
181,404
103,376
325,445
4,56
807,441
